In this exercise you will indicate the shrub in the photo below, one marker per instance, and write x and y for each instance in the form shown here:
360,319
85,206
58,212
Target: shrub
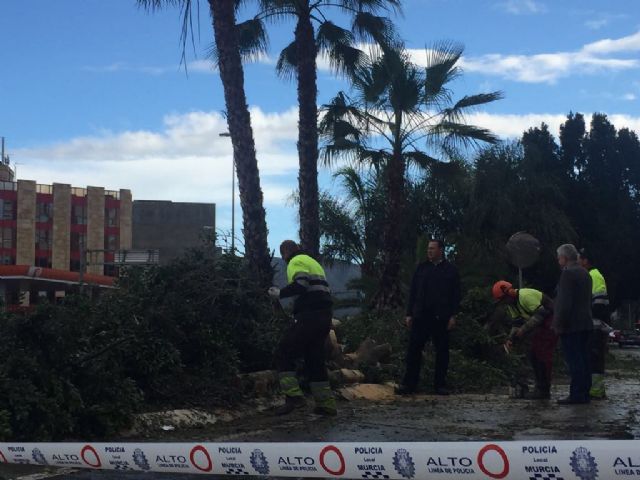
168,336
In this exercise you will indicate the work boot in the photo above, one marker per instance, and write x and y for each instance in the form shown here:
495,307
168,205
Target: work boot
290,404
597,391
323,396
404,390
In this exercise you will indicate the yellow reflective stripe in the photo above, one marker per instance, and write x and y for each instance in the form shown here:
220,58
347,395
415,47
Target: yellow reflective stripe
289,384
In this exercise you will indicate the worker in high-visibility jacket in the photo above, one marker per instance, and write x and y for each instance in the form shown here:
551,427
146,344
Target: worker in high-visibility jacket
306,337
601,329
531,313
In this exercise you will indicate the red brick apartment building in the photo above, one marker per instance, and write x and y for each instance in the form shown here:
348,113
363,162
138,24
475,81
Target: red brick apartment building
46,230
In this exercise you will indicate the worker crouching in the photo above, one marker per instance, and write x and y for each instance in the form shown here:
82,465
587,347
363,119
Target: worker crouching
531,313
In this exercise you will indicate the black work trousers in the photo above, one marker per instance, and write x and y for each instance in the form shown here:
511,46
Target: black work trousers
575,347
306,339
423,330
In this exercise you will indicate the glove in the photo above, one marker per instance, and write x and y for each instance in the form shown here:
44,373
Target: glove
274,292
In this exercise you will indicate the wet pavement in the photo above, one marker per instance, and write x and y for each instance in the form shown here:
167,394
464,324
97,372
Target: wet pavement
431,418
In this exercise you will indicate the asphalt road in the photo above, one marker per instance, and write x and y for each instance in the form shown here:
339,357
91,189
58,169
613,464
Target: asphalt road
420,418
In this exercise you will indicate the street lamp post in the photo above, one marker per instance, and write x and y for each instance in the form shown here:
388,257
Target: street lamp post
233,198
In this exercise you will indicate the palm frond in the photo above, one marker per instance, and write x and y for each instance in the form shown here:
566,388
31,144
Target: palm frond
454,134
186,15
341,231
336,43
420,159
354,185
440,70
369,27
469,102
287,63
252,39
350,6
276,10
339,148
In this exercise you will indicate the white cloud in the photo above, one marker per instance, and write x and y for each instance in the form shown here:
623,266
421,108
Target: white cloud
602,19
205,66
630,43
522,7
186,161
629,96
549,67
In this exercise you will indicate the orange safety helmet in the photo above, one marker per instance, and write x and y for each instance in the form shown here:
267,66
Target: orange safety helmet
502,289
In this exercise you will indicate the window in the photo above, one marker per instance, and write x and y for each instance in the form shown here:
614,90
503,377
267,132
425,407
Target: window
74,265
78,241
78,214
6,209
7,237
111,217
111,270
43,262
44,212
6,259
43,239
111,242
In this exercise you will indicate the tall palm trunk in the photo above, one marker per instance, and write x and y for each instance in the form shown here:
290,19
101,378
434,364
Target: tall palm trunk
306,52
389,294
244,151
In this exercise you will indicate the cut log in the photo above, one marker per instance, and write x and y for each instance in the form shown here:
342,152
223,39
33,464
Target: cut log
333,350
367,391
368,353
345,376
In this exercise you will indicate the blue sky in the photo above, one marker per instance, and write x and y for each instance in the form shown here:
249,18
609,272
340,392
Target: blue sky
91,91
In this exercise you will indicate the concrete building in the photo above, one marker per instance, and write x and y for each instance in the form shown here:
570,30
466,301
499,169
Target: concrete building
47,229
170,227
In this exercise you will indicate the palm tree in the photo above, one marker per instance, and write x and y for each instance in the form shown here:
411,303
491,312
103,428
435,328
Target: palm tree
396,105
350,223
229,59
315,33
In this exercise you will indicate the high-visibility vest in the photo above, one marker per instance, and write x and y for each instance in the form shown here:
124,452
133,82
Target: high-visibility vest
307,272
529,300
599,294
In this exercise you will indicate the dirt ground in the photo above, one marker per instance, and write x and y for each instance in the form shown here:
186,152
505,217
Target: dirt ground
430,418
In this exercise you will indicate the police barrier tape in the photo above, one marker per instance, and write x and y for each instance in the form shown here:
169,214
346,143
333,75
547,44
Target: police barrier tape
536,460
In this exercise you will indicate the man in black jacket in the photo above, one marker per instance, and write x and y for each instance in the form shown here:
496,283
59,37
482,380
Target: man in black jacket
433,303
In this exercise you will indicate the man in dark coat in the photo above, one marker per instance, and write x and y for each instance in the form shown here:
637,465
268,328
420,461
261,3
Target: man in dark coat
433,302
573,322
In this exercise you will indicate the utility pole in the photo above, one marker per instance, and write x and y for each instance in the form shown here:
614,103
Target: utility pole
233,198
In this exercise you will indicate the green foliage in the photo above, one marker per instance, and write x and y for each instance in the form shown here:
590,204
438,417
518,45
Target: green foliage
477,363
168,336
